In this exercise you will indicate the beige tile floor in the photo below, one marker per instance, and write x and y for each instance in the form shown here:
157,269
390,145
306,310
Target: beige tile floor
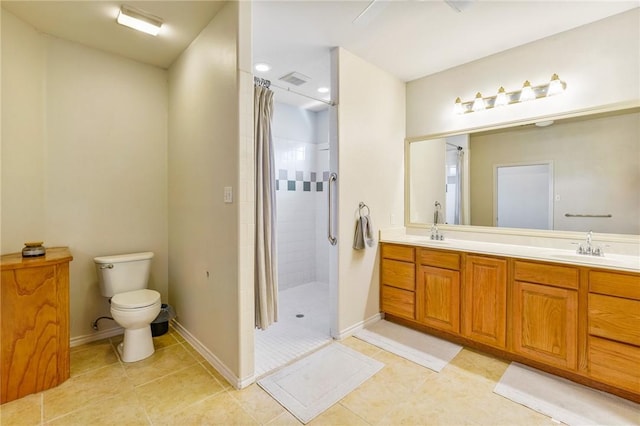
176,386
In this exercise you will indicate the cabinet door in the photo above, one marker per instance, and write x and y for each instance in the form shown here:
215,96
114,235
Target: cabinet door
438,298
29,331
545,323
484,300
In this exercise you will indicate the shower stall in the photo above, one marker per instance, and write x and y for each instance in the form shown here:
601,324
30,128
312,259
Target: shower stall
301,147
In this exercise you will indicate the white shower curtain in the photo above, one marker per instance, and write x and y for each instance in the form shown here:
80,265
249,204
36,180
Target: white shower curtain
266,279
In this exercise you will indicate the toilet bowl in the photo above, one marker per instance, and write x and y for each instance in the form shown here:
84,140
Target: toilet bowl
123,278
134,311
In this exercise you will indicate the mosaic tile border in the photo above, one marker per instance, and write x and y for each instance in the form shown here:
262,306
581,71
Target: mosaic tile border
299,180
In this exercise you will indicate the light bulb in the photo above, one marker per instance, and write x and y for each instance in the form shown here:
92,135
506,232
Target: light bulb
478,103
501,98
555,86
527,92
457,108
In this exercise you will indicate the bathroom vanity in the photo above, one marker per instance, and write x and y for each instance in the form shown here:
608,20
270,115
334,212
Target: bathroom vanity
568,315
35,322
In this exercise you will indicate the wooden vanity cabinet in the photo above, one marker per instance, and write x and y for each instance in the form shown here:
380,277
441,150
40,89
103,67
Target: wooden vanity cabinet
613,342
398,280
35,323
545,313
579,322
438,289
484,300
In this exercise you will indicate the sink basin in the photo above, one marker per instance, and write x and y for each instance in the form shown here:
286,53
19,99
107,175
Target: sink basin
626,262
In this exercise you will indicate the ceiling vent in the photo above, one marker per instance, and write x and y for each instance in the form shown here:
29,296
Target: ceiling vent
295,78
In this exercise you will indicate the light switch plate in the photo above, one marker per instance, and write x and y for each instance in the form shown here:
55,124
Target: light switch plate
228,194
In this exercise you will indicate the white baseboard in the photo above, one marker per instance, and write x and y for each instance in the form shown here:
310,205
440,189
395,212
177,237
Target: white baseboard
350,331
210,357
98,335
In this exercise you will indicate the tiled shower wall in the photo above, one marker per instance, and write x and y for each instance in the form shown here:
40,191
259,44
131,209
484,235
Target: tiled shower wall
302,172
301,205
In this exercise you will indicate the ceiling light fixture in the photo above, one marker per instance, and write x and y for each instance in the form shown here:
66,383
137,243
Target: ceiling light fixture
502,98
262,67
139,20
323,90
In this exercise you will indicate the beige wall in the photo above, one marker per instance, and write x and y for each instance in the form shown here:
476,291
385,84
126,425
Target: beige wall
92,130
595,168
371,117
203,159
23,151
599,62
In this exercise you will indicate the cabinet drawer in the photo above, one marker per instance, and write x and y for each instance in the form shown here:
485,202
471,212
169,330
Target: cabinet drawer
390,251
398,302
399,274
614,318
614,363
439,259
557,276
615,284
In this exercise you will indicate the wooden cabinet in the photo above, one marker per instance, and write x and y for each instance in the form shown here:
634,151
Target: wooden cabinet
35,323
613,344
398,280
545,313
484,300
438,290
579,322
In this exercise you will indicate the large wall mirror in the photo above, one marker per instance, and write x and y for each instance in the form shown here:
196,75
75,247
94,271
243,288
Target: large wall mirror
574,174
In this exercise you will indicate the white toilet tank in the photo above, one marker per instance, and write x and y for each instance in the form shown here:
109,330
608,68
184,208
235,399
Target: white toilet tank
123,272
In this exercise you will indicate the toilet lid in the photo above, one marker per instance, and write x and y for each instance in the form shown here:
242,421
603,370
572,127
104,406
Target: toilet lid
135,299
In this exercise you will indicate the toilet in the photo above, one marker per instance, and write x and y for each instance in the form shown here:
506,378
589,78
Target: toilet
123,278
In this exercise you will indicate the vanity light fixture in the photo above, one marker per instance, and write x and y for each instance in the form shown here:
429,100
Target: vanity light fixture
502,98
526,94
139,20
555,86
457,108
478,103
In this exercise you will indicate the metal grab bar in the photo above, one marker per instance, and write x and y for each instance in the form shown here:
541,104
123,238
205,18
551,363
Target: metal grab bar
587,215
333,240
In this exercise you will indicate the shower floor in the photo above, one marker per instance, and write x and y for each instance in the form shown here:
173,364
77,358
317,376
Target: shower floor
292,337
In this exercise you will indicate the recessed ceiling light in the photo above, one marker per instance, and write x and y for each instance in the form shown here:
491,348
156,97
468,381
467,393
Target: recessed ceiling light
139,20
262,67
323,90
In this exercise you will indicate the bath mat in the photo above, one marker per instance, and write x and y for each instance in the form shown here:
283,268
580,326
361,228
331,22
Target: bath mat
563,400
415,346
313,384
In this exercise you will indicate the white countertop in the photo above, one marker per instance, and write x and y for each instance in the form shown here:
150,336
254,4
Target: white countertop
610,261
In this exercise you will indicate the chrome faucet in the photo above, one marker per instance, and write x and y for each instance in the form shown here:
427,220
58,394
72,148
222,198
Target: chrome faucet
588,248
435,234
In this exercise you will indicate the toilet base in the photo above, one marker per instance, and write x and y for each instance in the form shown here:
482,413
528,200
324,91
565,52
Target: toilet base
137,344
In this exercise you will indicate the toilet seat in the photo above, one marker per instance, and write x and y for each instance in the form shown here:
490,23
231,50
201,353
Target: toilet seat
136,299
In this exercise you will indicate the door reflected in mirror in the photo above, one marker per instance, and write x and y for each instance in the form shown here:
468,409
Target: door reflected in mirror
587,170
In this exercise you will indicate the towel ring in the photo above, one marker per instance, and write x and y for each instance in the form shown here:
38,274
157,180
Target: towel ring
363,206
